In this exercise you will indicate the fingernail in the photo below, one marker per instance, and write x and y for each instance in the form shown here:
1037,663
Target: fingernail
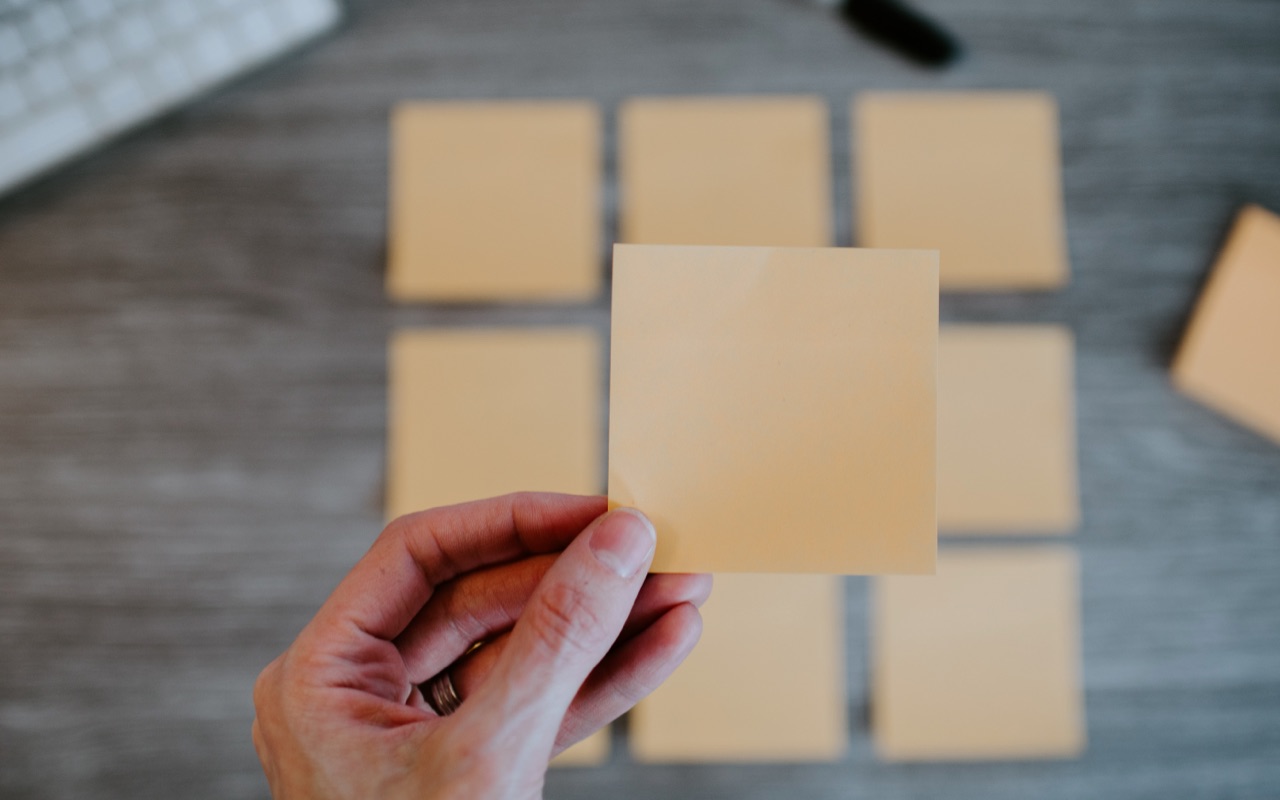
624,541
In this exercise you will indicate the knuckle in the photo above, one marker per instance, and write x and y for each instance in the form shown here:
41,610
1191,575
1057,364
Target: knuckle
564,619
263,685
460,614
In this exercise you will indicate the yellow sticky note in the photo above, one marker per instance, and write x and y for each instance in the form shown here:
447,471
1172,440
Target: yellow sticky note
478,413
1230,357
495,201
765,683
590,752
981,661
974,175
773,410
1006,430
728,171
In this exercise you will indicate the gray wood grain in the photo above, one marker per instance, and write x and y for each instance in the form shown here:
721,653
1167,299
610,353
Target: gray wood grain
192,381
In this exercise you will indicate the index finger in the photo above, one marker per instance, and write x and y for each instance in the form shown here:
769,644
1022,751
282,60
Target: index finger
392,582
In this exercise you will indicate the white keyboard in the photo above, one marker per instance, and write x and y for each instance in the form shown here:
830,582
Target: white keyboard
76,72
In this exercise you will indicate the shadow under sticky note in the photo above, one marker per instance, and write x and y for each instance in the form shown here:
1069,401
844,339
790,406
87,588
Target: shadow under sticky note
981,661
976,176
773,409
478,413
1230,357
726,171
1006,430
765,683
495,201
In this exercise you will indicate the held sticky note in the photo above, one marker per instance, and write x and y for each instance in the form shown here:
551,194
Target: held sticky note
974,175
773,409
495,201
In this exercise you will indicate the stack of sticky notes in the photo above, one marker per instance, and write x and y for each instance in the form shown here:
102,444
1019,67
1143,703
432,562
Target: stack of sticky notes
1230,357
786,412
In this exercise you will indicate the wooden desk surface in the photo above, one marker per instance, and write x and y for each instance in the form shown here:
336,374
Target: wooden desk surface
192,382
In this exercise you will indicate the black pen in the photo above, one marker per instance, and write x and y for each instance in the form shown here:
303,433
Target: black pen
901,27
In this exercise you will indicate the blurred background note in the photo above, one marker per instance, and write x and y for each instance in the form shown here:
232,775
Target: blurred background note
715,708
981,661
1230,356
725,170
495,201
974,175
1006,430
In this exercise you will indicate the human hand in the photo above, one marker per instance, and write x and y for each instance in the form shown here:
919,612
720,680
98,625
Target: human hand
571,639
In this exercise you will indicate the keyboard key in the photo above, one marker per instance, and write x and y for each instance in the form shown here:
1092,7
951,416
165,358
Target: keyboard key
45,79
176,16
121,99
310,15
211,57
42,140
11,100
167,76
255,32
133,35
88,59
11,47
92,10
47,26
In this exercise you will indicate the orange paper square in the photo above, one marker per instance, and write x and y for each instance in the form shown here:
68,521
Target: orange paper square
479,413
1006,430
725,171
765,683
773,409
976,176
981,661
1230,357
495,201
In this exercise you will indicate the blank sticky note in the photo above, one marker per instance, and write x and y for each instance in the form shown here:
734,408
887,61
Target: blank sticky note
590,752
773,410
765,683
981,661
495,201
1006,430
728,171
478,413
1230,357
976,176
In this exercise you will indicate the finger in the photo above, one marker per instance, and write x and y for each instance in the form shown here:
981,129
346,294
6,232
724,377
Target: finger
469,609
661,593
630,673
477,606
391,583
570,622
627,675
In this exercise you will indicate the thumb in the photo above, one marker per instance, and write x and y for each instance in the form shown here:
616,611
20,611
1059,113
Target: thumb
569,624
